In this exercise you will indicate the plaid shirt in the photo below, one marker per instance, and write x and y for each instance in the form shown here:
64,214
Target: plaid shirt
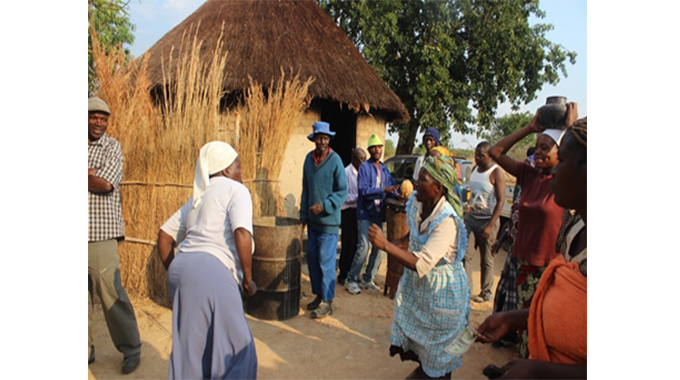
105,217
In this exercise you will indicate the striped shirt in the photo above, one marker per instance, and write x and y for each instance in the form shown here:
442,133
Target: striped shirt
105,220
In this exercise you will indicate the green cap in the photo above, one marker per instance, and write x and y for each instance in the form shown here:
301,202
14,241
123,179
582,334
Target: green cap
374,140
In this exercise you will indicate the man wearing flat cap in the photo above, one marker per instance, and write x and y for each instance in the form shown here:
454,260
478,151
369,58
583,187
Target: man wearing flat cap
105,232
324,189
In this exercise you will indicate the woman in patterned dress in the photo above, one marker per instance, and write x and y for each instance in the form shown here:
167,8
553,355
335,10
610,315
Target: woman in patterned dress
433,298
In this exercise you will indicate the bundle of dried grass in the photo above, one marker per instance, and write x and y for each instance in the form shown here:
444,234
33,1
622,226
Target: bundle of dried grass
268,120
160,144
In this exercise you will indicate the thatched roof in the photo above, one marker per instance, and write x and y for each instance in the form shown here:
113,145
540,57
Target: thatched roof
262,37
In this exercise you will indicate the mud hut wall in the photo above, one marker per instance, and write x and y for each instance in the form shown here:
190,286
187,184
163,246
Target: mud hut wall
368,125
291,170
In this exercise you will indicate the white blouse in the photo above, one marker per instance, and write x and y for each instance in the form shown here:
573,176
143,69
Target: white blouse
209,228
442,240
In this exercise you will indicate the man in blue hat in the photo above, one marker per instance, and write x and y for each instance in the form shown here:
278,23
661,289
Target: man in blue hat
324,190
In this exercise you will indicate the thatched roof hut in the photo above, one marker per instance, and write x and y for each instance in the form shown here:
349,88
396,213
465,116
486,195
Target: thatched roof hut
262,37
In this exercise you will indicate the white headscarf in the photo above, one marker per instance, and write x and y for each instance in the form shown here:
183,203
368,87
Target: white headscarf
555,134
214,157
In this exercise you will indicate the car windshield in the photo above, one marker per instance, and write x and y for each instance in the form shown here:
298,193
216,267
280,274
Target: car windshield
401,167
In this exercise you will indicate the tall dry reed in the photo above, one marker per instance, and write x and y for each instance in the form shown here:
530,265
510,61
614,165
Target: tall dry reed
267,122
160,143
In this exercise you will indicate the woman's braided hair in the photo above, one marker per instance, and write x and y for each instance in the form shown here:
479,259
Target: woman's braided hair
580,130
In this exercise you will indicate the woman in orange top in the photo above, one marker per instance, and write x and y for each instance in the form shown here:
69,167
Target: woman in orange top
557,319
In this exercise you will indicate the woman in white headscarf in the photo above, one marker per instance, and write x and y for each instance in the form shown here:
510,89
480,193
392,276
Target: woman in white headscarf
210,335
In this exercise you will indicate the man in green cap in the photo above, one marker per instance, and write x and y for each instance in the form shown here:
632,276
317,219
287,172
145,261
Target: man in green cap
105,232
375,183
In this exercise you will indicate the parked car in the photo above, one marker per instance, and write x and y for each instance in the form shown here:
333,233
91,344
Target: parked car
402,166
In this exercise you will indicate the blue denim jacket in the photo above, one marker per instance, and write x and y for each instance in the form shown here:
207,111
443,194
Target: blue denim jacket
368,193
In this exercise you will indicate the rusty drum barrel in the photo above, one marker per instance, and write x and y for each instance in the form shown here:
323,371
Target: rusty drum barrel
396,229
276,268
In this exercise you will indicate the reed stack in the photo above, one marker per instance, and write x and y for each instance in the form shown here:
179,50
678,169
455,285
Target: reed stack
161,137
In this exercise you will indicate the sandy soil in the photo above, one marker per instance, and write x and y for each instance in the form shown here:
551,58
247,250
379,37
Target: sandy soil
351,344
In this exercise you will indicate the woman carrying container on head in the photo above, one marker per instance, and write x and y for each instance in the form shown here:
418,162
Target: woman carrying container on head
540,217
557,320
210,335
433,298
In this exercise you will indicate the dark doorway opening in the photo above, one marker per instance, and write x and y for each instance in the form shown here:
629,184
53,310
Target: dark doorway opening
344,123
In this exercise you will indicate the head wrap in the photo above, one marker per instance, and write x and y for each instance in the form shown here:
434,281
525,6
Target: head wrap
442,169
214,157
444,151
434,134
555,134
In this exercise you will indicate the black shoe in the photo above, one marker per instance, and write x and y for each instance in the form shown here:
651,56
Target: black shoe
130,363
91,359
314,304
325,309
341,281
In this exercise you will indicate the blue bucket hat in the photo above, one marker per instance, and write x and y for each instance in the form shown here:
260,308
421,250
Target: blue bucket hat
321,127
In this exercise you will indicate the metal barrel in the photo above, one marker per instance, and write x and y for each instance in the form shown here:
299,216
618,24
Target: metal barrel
276,268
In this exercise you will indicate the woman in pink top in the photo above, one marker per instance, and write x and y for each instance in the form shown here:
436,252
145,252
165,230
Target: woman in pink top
539,216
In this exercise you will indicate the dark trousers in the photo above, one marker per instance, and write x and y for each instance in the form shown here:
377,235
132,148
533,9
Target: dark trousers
349,240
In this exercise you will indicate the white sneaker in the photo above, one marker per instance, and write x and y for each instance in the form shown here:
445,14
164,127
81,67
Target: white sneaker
352,287
369,286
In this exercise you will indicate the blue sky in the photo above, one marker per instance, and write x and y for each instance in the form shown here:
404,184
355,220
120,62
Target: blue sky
154,18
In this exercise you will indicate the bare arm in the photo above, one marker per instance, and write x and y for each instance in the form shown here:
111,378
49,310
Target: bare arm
499,150
497,325
244,248
404,257
166,245
97,184
499,186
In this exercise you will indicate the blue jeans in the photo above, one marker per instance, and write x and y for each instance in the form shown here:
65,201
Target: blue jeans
360,256
321,257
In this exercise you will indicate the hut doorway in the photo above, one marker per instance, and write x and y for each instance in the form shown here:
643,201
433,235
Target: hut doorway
344,123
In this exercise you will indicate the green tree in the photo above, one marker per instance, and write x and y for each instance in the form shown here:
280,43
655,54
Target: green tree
111,21
445,59
389,149
507,124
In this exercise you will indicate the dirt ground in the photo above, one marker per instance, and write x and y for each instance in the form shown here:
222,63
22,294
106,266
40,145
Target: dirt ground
353,343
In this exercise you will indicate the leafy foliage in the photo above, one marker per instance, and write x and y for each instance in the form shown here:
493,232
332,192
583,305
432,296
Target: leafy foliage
445,58
507,124
110,20
389,149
